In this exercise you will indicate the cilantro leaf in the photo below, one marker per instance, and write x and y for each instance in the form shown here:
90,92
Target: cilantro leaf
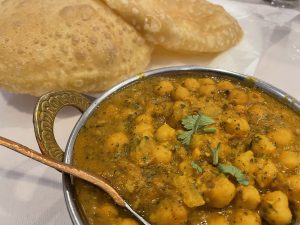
232,170
215,154
195,122
228,169
209,130
192,124
196,167
185,137
205,120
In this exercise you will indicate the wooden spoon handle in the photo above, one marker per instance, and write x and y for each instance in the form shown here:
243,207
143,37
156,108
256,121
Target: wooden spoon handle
98,181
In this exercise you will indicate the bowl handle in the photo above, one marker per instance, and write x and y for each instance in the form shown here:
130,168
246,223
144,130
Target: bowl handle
45,112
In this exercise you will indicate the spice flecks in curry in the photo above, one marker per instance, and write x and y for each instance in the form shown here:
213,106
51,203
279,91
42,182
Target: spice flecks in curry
132,141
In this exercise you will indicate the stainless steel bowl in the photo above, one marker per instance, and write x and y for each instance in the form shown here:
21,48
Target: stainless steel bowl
58,100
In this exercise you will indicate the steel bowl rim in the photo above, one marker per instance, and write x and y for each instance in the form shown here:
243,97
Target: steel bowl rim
66,179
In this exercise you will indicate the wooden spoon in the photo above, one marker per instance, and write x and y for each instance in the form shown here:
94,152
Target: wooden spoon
72,170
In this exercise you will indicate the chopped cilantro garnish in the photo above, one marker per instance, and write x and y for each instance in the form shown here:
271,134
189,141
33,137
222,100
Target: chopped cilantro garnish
232,170
215,154
228,169
192,124
196,167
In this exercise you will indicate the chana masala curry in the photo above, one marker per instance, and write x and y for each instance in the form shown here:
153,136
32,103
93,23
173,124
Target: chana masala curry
192,151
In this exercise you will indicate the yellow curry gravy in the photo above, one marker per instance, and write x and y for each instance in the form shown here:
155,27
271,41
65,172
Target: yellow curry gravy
133,141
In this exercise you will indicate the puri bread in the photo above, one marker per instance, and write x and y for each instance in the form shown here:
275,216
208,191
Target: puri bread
79,45
181,25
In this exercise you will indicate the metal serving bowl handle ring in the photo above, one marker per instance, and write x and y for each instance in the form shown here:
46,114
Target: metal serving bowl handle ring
44,115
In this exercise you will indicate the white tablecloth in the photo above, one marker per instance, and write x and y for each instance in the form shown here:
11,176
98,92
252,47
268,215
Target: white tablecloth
31,194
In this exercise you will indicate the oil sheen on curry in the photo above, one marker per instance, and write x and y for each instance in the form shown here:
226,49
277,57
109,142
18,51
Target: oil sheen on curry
192,151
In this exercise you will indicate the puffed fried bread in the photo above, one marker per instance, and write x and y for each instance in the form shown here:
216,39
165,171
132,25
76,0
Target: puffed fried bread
78,45
193,26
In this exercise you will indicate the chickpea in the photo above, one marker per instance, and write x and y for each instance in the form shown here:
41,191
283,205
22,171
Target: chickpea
143,154
196,103
225,85
237,126
162,154
198,141
158,109
238,97
128,221
144,118
247,197
115,141
266,173
226,149
246,162
240,109
165,133
211,110
257,112
289,159
142,157
181,152
143,129
164,88
245,217
217,219
275,208
261,144
191,84
191,196
180,110
181,93
108,210
169,212
221,194
186,168
282,136
207,89
196,154
293,183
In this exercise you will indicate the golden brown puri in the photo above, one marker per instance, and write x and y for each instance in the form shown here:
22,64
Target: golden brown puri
72,44
181,25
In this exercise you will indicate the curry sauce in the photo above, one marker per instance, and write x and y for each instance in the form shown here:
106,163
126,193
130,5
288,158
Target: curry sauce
190,150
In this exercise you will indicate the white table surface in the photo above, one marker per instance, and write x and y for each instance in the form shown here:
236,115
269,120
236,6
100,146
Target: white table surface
31,194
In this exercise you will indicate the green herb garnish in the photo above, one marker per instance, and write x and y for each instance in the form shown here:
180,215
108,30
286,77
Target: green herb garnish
232,170
215,154
228,169
192,124
185,137
209,130
196,167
